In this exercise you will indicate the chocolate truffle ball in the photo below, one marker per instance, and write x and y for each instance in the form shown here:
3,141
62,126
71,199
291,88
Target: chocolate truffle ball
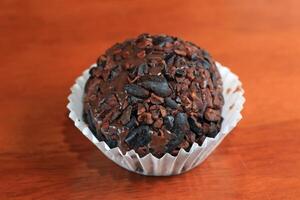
154,94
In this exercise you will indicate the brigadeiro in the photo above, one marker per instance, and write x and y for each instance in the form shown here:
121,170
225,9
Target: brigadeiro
154,94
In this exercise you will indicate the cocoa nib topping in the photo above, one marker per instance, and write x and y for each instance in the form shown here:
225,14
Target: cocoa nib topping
154,94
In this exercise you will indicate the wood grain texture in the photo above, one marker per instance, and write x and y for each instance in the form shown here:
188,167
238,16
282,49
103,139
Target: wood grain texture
45,45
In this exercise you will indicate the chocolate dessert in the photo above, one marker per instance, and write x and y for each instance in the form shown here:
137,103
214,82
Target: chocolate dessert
154,94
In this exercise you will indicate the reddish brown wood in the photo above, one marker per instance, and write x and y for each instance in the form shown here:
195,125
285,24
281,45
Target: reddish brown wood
45,45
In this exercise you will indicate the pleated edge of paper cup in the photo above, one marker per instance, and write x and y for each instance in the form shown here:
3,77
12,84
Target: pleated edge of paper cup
167,165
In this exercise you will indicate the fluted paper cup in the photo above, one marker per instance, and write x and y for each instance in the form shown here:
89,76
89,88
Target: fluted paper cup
168,164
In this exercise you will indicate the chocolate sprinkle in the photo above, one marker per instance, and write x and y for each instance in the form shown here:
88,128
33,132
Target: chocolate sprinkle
154,94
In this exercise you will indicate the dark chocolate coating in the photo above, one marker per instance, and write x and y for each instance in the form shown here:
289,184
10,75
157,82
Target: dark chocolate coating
154,94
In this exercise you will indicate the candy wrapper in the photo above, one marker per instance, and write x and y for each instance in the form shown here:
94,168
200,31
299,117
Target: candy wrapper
168,164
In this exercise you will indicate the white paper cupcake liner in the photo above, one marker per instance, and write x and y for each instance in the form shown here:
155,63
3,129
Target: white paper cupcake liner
168,164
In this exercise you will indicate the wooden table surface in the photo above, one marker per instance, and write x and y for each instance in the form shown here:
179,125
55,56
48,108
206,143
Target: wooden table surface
45,45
